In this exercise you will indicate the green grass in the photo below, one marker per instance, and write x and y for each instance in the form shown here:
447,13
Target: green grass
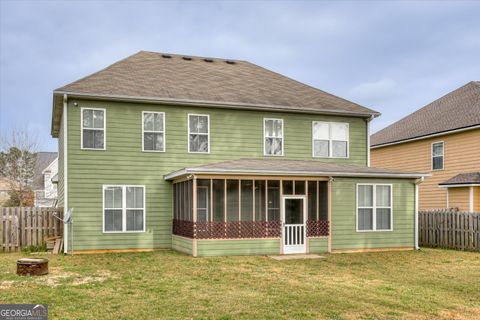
429,284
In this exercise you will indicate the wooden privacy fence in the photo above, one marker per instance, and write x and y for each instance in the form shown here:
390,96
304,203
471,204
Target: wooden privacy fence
25,226
449,229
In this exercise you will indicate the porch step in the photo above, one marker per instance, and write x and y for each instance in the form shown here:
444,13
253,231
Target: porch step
297,257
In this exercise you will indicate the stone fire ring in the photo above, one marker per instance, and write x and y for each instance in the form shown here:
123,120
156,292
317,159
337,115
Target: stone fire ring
32,267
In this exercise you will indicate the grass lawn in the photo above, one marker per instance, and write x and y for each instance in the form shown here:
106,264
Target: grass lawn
429,284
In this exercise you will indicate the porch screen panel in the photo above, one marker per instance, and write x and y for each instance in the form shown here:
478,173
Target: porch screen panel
287,187
218,200
189,185
175,199
260,199
232,200
322,200
273,200
203,200
246,200
312,200
300,187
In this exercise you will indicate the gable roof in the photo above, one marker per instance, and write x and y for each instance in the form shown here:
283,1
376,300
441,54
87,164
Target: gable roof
291,167
175,79
463,179
456,110
42,161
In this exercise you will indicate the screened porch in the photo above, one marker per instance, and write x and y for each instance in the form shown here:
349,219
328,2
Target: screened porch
212,207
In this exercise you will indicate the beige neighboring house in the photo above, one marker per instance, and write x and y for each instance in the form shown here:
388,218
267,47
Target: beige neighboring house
45,178
442,138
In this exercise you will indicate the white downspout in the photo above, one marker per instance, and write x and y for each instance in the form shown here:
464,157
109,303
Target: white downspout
417,182
368,140
65,172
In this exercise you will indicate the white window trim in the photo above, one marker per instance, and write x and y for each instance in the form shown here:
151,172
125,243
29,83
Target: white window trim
330,140
124,207
207,134
104,128
265,136
374,207
443,155
152,131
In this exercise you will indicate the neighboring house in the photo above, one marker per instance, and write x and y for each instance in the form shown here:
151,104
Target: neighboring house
221,157
442,138
44,185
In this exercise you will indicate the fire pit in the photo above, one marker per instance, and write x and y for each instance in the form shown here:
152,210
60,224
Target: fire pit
32,266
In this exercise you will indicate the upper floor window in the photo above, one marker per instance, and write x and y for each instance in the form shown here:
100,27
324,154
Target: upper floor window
374,207
330,139
273,137
437,155
123,208
93,128
198,133
153,131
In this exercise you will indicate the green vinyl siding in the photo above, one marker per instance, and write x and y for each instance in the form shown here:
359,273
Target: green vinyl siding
60,189
182,244
234,134
317,245
344,234
240,247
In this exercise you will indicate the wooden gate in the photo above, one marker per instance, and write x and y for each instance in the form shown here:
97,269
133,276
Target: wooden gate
25,226
449,229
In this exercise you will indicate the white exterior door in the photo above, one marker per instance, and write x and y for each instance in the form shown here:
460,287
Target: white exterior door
294,229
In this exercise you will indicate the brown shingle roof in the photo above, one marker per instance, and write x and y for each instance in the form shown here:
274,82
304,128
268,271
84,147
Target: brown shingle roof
290,167
463,178
169,77
458,109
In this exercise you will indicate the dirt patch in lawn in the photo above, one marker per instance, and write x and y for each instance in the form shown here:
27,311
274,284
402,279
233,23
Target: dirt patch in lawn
57,276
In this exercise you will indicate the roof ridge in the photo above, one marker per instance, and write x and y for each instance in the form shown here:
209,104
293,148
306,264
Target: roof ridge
312,87
191,56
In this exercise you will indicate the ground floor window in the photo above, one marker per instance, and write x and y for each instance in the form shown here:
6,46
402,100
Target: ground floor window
123,208
374,207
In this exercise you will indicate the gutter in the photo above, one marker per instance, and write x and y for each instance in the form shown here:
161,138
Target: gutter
186,171
417,182
459,185
476,126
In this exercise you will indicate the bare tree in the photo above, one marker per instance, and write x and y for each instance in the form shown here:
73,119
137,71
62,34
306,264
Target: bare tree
17,164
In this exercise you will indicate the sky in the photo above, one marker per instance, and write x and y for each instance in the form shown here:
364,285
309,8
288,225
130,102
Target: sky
391,56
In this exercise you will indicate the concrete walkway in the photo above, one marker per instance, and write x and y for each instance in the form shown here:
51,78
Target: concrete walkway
297,257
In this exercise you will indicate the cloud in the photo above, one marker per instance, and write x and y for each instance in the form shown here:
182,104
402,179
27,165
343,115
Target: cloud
375,91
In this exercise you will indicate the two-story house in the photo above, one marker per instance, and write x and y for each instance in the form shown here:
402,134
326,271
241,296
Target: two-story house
442,138
222,157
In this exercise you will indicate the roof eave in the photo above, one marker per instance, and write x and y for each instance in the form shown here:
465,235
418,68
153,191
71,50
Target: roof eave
199,103
457,185
200,171
431,135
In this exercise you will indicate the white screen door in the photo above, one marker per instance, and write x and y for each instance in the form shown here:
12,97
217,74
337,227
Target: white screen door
294,231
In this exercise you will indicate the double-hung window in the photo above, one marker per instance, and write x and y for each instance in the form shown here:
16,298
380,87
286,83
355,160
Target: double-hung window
437,155
273,137
93,128
374,207
330,139
153,131
123,208
198,133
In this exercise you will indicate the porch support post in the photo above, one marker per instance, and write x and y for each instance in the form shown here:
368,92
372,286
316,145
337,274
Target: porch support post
329,246
194,213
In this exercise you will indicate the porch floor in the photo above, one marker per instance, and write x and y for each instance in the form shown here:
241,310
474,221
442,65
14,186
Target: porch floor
297,257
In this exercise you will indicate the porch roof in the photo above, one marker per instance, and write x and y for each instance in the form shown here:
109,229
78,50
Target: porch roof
281,167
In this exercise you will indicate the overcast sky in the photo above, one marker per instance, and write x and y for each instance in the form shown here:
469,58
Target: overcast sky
393,57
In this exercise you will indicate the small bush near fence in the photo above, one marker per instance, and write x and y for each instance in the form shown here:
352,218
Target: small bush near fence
449,229
28,227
